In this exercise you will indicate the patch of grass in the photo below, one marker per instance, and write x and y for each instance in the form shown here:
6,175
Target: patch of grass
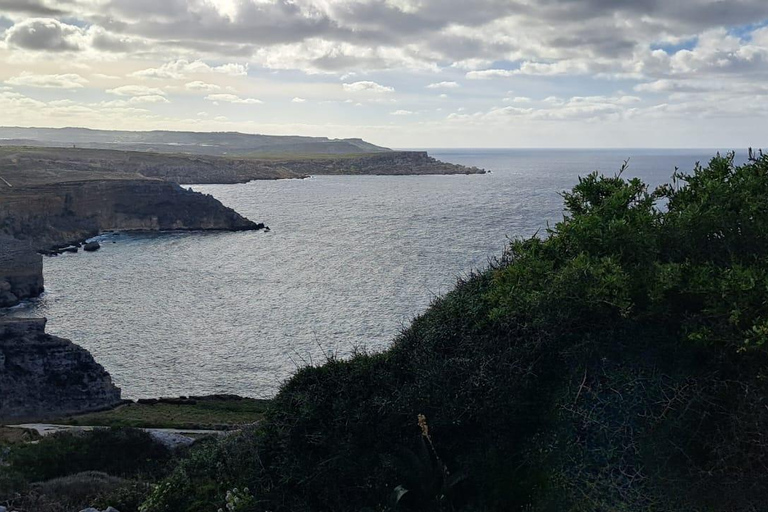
206,413
10,436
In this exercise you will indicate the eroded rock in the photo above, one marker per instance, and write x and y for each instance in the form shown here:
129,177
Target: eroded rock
21,271
44,376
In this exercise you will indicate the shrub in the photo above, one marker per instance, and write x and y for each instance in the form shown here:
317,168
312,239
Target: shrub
120,452
617,364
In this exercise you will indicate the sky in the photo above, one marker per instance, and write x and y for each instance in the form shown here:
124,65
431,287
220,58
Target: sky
400,73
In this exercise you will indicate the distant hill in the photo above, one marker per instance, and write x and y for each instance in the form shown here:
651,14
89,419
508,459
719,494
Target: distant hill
201,143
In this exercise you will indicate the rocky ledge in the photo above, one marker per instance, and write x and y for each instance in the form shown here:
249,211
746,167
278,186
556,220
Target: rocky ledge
59,214
21,271
43,376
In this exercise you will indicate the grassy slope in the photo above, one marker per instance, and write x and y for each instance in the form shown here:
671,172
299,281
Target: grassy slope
202,414
618,365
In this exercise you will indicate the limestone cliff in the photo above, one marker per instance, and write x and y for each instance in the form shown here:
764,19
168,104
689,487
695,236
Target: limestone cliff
43,376
21,271
61,213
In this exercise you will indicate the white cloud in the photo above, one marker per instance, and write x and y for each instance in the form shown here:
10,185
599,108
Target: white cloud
152,98
298,100
232,98
136,90
64,81
518,99
485,74
182,68
401,113
106,77
368,86
198,85
443,85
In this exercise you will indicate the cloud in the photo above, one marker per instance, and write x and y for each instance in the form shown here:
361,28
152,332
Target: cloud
136,90
151,98
443,85
368,86
64,81
182,68
45,34
232,98
485,74
518,99
201,86
401,113
298,100
33,7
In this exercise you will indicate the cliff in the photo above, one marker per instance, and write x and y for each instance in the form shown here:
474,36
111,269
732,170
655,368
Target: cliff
21,271
164,141
386,163
43,376
22,166
62,213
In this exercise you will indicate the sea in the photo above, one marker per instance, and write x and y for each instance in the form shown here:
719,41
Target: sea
348,263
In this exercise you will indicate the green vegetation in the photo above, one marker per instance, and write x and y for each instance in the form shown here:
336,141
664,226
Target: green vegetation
71,471
617,364
203,413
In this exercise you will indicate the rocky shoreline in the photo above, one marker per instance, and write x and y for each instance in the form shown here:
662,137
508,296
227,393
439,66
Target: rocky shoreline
21,271
42,375
55,199
45,376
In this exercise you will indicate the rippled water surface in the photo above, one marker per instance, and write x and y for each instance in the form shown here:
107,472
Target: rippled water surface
350,260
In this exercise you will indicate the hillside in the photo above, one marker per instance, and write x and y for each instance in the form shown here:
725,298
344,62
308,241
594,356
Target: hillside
617,364
40,165
220,143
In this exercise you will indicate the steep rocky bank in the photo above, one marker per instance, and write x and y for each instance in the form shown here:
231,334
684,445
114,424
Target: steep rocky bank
43,376
385,163
62,213
22,166
21,271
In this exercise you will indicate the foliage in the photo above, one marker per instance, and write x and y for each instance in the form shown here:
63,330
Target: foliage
119,452
74,470
201,413
618,363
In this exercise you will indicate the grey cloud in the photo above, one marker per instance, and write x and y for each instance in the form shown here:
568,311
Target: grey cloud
434,32
43,34
29,7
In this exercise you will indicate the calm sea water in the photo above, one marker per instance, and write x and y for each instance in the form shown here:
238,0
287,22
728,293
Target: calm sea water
350,260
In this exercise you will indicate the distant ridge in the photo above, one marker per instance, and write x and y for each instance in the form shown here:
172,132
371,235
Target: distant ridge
203,143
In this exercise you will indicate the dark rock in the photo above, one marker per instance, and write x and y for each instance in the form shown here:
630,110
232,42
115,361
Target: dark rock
91,246
21,272
61,214
45,376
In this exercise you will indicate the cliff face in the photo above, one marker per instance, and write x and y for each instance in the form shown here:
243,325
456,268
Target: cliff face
21,272
62,213
27,166
43,376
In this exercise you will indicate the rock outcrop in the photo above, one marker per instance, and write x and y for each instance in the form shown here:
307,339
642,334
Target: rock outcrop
36,165
60,214
21,271
43,376
385,163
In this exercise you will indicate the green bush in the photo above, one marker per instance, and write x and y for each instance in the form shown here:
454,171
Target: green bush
120,452
619,363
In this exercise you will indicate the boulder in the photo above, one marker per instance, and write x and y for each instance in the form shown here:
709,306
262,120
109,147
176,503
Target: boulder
92,246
